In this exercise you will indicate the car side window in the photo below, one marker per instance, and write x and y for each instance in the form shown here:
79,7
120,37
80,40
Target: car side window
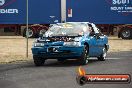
97,31
100,33
91,30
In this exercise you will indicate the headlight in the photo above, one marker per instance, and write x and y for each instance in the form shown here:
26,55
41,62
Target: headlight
77,39
38,44
76,44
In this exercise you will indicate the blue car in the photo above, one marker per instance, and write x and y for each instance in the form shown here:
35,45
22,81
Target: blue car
71,40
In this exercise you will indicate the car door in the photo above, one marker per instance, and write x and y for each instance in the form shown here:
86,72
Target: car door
93,49
99,39
96,42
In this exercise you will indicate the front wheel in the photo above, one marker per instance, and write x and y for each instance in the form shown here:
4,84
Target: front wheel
102,57
38,61
84,57
42,31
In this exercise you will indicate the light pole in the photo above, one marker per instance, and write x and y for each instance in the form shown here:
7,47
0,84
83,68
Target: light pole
27,33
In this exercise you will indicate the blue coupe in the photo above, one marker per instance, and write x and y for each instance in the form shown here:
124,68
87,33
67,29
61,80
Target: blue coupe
71,40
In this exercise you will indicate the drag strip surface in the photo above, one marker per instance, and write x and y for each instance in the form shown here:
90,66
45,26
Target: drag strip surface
63,75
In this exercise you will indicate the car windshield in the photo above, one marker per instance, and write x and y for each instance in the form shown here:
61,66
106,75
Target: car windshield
67,29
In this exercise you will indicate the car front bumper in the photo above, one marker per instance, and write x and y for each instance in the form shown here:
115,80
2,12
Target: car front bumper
56,52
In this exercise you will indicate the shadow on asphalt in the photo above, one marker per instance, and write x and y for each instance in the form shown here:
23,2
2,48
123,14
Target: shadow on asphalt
48,63
67,63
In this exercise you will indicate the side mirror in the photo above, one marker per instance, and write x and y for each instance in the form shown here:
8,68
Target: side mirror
97,36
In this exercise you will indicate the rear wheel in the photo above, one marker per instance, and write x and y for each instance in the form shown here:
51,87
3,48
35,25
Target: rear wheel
38,61
102,57
126,33
84,57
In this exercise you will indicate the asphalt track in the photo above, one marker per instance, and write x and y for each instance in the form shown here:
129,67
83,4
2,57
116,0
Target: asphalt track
63,75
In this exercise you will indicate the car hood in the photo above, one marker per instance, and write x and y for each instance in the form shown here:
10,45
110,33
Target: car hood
60,38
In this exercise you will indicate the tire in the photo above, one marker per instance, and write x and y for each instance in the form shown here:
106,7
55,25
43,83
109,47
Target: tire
102,57
31,33
84,57
42,31
38,61
126,33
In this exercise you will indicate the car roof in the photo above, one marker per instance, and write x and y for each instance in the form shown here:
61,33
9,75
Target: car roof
76,23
